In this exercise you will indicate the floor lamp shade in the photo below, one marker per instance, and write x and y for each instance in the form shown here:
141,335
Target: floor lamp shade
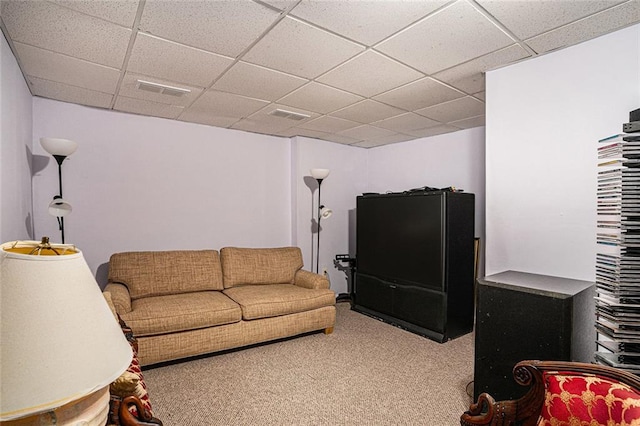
319,173
59,341
57,146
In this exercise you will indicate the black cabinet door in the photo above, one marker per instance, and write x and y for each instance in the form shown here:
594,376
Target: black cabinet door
419,306
374,293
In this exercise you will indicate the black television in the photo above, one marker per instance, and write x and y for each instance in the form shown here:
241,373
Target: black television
399,238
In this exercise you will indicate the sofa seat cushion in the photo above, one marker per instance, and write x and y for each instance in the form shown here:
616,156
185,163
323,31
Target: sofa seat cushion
263,301
180,312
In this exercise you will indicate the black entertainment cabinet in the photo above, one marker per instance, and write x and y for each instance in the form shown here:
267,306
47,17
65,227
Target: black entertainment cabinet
415,261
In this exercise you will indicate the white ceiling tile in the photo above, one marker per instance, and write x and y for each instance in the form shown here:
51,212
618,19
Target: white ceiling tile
176,62
454,110
384,140
65,69
144,107
451,36
337,138
469,77
319,98
264,121
366,131
63,30
468,123
432,131
329,124
221,107
260,126
419,94
367,22
585,29
369,74
367,111
66,93
330,137
404,122
316,51
227,27
307,133
258,82
121,12
481,96
207,119
129,88
281,4
529,18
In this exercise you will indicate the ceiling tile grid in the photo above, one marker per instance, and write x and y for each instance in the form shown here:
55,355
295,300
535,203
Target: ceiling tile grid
169,60
59,29
67,93
258,82
54,66
362,73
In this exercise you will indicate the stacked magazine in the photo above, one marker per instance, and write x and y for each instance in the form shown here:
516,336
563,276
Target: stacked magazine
618,257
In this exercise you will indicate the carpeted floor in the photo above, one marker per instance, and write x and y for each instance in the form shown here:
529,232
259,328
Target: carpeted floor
365,373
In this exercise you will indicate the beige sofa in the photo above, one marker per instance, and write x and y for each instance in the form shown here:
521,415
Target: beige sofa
191,302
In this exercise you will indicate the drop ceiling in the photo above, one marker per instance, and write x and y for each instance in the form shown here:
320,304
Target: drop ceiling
356,72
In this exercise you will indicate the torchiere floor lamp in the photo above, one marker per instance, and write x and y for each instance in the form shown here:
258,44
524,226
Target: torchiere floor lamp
323,212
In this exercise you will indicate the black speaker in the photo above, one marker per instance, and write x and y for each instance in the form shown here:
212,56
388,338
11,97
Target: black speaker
522,316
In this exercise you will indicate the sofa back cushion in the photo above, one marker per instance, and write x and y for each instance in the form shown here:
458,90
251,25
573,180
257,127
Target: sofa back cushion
260,265
158,273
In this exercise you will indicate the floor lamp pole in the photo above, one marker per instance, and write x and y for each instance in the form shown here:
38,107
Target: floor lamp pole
59,160
319,218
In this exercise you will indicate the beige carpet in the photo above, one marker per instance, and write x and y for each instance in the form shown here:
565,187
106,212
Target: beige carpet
365,373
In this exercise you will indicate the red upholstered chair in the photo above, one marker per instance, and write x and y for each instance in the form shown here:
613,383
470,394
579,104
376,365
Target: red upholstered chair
563,394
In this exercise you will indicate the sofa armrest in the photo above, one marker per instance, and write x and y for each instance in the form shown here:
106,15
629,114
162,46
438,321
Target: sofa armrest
120,297
311,280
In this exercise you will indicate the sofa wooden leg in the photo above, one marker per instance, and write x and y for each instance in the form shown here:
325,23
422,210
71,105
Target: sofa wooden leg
328,330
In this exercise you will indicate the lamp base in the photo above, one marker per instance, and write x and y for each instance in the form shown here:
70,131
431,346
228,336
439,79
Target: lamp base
92,410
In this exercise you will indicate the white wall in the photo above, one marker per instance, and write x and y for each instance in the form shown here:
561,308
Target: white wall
453,159
346,180
16,221
544,117
143,183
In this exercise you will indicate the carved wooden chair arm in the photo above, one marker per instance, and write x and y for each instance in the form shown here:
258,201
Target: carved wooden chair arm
120,415
521,412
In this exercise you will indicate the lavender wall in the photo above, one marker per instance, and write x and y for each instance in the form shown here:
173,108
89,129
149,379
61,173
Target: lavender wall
16,219
143,183
544,117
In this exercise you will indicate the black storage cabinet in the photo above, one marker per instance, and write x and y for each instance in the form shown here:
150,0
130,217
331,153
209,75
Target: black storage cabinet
415,261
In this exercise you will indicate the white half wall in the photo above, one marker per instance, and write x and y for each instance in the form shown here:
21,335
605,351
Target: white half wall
346,180
144,183
16,217
453,159
544,118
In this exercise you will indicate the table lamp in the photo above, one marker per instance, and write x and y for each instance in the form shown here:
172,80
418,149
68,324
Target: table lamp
60,345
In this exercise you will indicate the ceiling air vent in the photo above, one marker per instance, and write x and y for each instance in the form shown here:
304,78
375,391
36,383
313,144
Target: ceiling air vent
283,113
163,89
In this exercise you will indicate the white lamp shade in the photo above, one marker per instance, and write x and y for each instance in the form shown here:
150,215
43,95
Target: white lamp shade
325,212
56,146
59,207
319,173
59,340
